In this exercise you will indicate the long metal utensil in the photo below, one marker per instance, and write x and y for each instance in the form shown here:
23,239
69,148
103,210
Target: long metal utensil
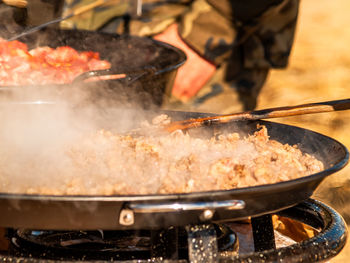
76,12
319,107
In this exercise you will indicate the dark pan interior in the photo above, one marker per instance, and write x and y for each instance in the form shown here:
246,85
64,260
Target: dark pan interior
103,212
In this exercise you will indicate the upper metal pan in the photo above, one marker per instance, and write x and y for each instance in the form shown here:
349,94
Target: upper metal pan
149,66
159,211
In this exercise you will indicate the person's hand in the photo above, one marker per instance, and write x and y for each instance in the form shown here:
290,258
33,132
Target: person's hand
195,72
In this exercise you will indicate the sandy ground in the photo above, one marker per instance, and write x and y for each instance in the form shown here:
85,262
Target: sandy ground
319,70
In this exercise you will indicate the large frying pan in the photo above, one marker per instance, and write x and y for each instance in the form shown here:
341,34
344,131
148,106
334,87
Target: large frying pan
159,211
150,67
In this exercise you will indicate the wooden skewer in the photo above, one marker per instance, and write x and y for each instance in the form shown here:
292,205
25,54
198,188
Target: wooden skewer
328,106
76,12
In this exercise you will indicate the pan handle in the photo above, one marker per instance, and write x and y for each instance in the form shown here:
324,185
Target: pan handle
174,207
208,208
129,76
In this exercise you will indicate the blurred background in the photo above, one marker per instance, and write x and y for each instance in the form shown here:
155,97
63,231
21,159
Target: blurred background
319,70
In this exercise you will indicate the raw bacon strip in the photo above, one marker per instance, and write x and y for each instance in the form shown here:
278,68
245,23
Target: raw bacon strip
44,65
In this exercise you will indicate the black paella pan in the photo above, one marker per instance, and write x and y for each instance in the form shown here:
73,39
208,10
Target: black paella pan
159,211
149,66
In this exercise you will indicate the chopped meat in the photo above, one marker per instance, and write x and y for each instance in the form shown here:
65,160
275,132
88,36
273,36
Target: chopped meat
105,163
44,65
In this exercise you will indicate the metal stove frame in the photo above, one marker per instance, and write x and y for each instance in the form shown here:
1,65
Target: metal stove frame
326,244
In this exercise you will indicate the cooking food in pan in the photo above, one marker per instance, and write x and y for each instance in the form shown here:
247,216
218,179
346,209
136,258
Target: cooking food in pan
44,65
149,211
107,163
150,67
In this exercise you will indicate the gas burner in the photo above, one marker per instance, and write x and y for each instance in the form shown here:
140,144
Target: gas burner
78,245
193,243
115,245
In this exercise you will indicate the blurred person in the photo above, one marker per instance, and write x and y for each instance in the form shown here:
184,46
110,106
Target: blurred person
230,44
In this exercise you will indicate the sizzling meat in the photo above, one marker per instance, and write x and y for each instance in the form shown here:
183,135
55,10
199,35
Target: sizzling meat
106,163
44,65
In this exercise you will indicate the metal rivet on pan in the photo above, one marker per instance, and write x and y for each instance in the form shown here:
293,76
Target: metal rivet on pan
207,215
126,217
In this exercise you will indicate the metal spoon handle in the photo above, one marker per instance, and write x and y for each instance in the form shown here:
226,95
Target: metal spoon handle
76,12
327,106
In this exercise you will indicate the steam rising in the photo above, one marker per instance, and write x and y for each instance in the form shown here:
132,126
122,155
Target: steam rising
49,144
37,126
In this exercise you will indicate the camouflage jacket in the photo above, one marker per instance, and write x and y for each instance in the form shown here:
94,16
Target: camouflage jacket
263,30
247,38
